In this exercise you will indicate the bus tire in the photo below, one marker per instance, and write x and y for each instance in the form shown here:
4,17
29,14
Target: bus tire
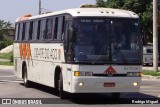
25,77
116,95
62,94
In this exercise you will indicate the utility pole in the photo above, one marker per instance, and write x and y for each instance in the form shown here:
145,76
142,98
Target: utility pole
155,36
40,7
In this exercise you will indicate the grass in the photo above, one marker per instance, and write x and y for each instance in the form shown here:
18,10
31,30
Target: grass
6,55
150,72
6,63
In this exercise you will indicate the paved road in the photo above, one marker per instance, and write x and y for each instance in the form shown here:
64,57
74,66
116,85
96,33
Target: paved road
12,87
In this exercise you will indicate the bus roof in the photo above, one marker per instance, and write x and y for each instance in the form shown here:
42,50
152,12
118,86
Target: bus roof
101,12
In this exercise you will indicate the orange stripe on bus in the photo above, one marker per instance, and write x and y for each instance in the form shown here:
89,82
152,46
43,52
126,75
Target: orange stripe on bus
28,52
24,51
20,50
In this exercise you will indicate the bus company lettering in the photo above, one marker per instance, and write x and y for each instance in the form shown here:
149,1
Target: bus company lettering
131,68
46,53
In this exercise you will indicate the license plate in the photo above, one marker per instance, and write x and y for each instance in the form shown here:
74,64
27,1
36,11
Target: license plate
109,84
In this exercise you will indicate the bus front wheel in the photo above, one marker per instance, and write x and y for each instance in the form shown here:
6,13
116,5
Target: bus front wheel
25,77
62,94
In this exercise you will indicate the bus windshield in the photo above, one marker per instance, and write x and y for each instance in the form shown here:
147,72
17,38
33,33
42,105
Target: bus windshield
102,40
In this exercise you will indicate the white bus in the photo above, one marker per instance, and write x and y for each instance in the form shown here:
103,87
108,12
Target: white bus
81,50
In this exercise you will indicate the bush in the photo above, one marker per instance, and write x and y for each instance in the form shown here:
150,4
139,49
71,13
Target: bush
11,57
2,45
7,56
5,43
150,72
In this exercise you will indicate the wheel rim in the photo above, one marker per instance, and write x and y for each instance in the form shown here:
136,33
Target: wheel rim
25,75
25,80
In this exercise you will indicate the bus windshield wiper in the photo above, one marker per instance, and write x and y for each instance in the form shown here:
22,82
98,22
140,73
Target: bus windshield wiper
99,56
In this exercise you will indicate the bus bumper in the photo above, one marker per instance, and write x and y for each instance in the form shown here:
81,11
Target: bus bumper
99,84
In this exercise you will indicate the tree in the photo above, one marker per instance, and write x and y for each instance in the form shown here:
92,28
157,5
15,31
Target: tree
142,7
4,28
101,3
4,31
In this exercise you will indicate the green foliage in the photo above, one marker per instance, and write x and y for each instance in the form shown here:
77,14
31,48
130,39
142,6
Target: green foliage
6,55
11,57
4,31
5,43
114,3
143,8
6,63
4,28
147,72
100,3
2,44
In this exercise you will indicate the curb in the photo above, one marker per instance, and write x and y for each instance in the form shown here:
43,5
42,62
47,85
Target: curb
6,67
4,60
149,77
149,68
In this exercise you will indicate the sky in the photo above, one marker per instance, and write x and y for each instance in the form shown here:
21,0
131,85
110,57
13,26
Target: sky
10,10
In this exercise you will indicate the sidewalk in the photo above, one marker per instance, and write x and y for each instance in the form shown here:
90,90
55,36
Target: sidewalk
6,67
149,68
4,60
149,77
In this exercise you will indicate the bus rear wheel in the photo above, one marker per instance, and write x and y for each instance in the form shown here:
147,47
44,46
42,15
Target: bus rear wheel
62,94
25,77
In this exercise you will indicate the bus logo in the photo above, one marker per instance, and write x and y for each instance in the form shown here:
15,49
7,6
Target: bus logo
110,71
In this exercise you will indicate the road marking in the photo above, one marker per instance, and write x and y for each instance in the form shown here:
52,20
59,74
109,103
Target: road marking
10,81
150,79
6,67
157,91
151,86
8,76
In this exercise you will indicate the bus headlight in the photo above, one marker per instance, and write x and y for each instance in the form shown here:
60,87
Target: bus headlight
81,84
78,73
134,74
135,83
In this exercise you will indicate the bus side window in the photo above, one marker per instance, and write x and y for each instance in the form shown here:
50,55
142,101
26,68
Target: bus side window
35,28
49,29
63,27
20,32
55,28
17,32
67,36
39,30
43,29
30,31
60,25
27,31
23,32
66,40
